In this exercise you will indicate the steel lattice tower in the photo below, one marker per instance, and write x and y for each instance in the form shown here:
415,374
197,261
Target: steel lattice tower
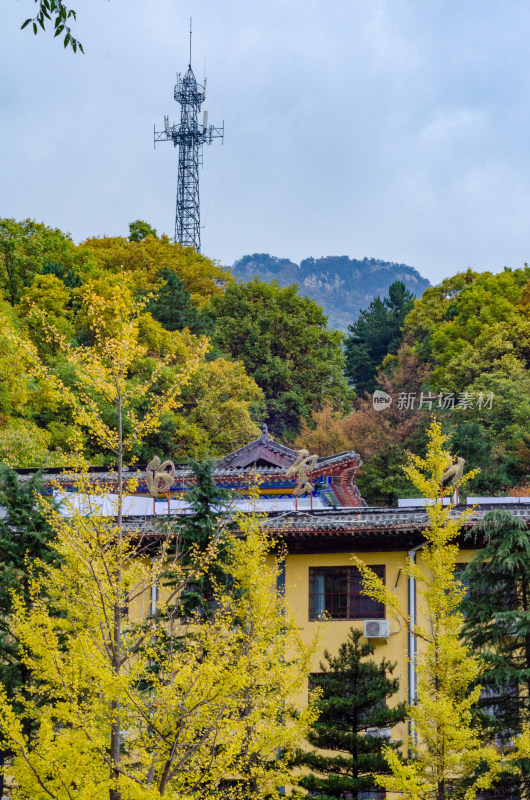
189,136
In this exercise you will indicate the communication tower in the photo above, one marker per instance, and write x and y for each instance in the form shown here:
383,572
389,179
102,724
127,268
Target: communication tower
189,136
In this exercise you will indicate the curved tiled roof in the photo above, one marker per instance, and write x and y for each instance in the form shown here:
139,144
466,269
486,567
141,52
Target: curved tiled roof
354,523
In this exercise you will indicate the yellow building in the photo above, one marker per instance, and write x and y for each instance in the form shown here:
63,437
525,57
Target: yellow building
318,532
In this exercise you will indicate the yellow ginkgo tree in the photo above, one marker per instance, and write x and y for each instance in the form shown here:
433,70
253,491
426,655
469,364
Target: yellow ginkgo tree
448,758
126,699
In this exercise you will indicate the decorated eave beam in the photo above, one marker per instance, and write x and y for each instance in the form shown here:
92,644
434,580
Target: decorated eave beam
272,467
341,469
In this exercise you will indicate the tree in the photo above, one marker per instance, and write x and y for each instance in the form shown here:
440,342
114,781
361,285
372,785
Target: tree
497,626
47,279
146,259
374,431
25,536
104,557
326,434
273,664
284,344
376,334
449,758
23,443
483,451
198,530
26,248
473,323
57,12
138,719
139,229
351,705
172,307
216,414
380,437
473,332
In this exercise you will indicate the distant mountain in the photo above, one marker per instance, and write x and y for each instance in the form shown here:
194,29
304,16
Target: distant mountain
341,285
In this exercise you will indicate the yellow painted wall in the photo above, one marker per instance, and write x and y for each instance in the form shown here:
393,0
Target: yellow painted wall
332,633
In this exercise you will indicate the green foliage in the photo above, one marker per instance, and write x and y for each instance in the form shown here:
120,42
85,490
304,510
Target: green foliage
448,755
353,698
146,259
498,469
57,12
139,229
381,480
471,324
172,307
376,334
473,332
25,536
25,249
283,341
46,281
197,531
69,277
497,625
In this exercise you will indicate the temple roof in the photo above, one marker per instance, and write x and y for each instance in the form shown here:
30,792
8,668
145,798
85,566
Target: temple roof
348,529
265,453
263,456
262,452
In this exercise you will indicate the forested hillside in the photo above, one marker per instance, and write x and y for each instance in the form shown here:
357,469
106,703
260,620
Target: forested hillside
265,353
341,285
463,353
191,312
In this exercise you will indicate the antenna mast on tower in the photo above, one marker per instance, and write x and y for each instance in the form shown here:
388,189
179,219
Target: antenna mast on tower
189,136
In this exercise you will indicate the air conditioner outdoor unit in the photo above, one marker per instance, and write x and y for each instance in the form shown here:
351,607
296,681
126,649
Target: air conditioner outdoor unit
380,733
377,628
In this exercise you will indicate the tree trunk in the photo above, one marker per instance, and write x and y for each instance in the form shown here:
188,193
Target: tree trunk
115,733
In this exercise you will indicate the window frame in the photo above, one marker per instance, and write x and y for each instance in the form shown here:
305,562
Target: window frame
357,605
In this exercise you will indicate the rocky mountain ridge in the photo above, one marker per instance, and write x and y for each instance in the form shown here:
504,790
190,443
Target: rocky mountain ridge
343,286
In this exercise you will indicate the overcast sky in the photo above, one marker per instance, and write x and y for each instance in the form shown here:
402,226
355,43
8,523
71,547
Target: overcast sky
393,129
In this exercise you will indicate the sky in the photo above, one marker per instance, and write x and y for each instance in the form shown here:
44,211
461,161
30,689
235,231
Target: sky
391,129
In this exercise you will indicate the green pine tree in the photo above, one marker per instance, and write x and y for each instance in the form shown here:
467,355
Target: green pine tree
199,530
173,308
376,333
352,706
497,625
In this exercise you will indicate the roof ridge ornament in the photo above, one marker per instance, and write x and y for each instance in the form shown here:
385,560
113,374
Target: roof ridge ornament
160,476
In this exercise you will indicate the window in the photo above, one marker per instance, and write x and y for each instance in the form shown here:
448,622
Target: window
336,593
497,702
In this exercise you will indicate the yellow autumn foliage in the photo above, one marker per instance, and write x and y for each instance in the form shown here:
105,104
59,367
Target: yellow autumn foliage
446,747
149,705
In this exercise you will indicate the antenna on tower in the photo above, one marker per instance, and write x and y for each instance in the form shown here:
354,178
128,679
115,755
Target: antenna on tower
189,136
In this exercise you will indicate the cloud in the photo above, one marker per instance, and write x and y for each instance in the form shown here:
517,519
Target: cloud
448,126
388,128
